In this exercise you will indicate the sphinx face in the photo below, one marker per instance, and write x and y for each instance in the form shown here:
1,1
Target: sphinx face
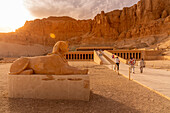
60,47
63,47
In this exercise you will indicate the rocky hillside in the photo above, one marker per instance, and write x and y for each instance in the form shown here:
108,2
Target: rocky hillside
147,19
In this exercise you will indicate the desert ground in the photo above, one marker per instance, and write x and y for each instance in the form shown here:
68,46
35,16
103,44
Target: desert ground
17,50
110,93
158,64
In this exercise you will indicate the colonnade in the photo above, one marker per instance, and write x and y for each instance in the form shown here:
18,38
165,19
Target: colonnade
88,55
79,56
128,55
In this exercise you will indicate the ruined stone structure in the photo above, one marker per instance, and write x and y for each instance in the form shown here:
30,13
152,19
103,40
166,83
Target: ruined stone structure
88,54
137,54
80,56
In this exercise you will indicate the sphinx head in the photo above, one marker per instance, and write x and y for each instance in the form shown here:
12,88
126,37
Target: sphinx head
60,47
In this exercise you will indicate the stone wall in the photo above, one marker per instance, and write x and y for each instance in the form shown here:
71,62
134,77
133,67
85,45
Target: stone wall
63,87
97,58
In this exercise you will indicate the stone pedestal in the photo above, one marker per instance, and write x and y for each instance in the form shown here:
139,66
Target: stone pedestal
64,87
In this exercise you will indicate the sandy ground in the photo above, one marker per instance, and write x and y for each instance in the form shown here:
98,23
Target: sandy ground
158,64
8,60
110,93
17,50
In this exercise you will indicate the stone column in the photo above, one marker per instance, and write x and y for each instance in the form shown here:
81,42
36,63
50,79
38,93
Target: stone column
81,56
143,55
85,56
71,56
123,55
68,56
138,55
78,57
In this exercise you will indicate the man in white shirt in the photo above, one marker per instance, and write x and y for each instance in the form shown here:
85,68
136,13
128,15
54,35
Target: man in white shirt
117,61
142,65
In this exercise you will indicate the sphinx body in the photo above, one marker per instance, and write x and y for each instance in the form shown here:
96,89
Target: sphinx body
53,64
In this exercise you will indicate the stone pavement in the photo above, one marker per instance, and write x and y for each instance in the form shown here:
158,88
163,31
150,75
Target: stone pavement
156,79
103,59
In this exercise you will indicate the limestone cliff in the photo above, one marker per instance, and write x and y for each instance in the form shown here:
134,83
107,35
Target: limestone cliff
38,31
147,17
144,19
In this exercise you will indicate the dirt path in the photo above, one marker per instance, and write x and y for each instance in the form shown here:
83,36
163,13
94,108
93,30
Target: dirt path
110,93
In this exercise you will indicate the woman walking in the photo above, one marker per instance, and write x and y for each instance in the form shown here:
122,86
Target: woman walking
142,65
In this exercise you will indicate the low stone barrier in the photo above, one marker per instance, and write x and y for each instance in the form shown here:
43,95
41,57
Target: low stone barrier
64,87
97,58
157,58
166,57
121,59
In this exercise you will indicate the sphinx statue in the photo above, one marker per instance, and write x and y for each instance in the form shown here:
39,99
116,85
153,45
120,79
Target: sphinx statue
51,64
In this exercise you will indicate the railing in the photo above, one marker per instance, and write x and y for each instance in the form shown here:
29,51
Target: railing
112,62
80,56
121,59
97,58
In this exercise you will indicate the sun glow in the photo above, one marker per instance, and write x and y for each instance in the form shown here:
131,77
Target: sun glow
52,35
13,15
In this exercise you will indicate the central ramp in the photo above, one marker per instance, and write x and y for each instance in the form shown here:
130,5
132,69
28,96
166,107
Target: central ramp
103,59
155,79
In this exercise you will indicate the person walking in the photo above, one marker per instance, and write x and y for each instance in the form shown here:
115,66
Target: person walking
142,65
117,61
132,65
113,67
113,56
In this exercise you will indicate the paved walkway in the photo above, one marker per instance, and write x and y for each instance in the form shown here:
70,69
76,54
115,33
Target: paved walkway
155,79
104,60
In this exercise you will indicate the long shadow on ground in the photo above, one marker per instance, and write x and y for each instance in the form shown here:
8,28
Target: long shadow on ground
97,104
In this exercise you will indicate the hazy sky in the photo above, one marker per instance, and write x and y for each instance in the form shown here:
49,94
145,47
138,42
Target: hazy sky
79,9
14,13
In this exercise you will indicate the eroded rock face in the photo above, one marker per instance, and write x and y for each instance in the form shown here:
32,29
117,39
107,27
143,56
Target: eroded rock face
142,19
62,27
167,19
146,18
53,64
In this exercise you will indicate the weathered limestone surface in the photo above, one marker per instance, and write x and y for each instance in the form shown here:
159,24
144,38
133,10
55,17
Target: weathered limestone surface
97,58
67,87
54,64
